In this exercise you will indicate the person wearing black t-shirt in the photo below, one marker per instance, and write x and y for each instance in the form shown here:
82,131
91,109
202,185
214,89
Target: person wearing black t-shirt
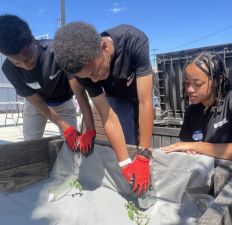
115,69
207,126
31,69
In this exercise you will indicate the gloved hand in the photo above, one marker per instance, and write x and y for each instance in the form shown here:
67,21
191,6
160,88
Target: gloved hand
137,173
72,138
87,142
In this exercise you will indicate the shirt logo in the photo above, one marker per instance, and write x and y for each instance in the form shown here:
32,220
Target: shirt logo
130,79
51,77
220,123
197,135
34,85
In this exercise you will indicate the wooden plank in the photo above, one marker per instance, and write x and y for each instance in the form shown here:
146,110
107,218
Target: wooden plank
97,119
54,149
156,141
100,130
174,140
220,212
98,124
94,110
166,131
165,140
101,137
17,178
23,153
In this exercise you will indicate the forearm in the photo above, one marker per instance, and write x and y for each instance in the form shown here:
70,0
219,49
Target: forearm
223,151
81,96
115,134
146,114
146,117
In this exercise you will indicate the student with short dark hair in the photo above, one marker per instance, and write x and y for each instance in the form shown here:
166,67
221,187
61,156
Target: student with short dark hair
31,69
115,69
207,126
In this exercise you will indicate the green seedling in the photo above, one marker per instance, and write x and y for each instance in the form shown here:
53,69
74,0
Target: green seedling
56,193
136,215
77,185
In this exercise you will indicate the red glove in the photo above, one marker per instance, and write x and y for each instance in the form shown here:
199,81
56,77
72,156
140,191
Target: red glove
138,173
72,138
87,142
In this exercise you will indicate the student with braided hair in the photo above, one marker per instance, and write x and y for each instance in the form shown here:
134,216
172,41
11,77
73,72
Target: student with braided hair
207,126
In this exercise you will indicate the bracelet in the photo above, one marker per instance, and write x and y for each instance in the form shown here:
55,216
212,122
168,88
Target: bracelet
124,162
144,152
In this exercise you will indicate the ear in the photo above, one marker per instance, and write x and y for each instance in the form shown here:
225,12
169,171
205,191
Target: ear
105,46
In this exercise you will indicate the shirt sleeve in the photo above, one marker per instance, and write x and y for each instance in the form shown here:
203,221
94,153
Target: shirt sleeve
93,89
13,76
141,56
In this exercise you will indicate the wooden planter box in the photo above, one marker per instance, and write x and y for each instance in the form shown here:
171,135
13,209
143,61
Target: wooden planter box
27,162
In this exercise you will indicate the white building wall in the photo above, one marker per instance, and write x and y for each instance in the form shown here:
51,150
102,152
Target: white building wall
7,91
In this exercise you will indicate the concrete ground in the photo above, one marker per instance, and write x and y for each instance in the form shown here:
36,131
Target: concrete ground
10,132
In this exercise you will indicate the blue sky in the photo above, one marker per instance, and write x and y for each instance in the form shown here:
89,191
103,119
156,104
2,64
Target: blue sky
171,25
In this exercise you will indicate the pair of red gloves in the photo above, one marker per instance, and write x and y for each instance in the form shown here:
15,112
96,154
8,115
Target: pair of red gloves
137,172
80,142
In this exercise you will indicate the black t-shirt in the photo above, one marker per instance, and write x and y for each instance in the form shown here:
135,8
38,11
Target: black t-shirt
131,60
46,79
209,126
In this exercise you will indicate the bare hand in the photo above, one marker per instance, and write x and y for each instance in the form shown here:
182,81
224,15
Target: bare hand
188,147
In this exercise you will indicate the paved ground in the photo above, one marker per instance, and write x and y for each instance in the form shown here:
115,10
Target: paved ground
13,133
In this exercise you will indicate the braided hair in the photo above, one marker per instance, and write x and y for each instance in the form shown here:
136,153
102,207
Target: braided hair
213,65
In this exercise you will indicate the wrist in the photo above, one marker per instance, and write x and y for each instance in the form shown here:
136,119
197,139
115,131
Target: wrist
145,152
68,129
124,162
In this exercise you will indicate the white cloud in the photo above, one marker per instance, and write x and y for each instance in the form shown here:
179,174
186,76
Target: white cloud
116,8
40,11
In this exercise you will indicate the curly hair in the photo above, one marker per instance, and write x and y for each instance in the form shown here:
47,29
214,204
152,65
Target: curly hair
75,45
15,34
213,65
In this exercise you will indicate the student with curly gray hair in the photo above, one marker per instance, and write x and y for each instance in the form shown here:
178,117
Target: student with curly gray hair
114,67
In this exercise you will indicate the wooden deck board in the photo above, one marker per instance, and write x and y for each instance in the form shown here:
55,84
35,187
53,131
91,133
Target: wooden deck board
15,179
17,154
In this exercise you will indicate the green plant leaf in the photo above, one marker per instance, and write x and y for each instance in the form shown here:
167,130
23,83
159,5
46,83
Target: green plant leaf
131,214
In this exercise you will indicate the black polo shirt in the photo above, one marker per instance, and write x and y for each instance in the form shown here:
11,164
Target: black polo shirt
208,126
131,60
46,78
